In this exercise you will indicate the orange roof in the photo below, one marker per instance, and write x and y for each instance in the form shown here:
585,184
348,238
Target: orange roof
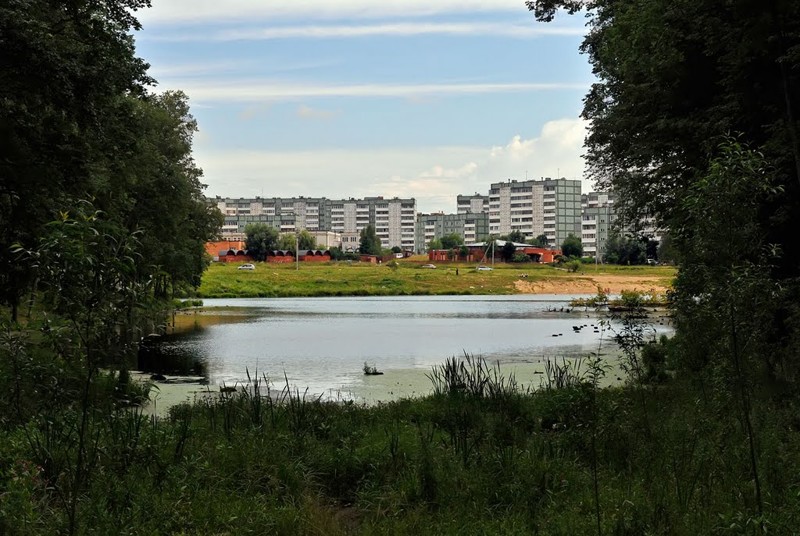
213,248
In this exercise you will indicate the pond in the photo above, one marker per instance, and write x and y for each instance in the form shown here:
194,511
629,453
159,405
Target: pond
322,344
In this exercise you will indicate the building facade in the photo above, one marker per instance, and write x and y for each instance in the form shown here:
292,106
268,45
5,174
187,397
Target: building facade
597,219
550,207
469,226
472,204
393,219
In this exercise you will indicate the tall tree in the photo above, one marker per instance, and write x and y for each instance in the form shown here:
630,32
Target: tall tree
670,87
63,70
261,238
370,244
78,123
572,247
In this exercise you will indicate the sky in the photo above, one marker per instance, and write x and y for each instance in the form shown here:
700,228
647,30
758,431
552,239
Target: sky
354,98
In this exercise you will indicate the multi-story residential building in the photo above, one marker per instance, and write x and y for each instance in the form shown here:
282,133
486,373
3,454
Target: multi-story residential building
550,207
597,218
472,204
472,227
393,218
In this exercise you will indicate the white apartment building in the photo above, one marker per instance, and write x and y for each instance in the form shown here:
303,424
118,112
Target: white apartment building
597,218
472,204
550,207
393,219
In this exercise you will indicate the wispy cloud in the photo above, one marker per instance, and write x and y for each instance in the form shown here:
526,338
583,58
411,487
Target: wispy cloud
193,11
370,30
433,175
244,91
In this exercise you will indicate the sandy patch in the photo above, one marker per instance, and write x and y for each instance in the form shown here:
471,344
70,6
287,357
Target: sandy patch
587,284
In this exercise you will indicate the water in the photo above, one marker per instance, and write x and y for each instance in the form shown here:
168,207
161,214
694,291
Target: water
322,343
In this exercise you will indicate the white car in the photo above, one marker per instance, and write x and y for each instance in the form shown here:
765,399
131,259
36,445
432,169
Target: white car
247,267
431,266
484,268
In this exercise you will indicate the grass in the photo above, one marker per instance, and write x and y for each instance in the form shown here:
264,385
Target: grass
407,278
480,457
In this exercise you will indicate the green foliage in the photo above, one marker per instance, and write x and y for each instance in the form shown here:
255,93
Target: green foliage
261,239
451,241
520,258
77,123
572,247
625,250
666,250
540,241
369,243
435,244
508,251
573,265
516,236
290,241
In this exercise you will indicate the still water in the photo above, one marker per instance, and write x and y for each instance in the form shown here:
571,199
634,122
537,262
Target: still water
322,344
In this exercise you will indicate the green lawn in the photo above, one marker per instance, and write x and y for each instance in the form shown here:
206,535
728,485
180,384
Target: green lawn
408,278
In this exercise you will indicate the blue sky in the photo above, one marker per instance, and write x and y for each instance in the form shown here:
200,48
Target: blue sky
354,98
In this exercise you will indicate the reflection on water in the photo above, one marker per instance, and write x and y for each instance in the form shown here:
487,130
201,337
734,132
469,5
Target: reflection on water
323,344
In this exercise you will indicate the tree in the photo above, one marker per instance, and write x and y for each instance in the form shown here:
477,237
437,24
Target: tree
666,251
306,240
540,241
451,241
261,238
508,251
572,246
369,244
78,123
397,249
661,107
516,236
64,72
286,242
435,244
622,249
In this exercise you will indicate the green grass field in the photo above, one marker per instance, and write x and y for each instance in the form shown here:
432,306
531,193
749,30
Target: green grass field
408,278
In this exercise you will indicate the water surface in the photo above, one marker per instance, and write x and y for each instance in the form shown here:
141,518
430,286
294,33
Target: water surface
322,343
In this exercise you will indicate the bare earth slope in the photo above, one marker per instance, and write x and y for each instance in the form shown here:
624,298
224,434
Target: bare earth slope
588,283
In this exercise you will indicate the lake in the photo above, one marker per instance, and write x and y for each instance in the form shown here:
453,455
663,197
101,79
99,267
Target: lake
321,344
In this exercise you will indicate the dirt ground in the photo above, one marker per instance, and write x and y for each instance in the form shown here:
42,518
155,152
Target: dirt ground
587,284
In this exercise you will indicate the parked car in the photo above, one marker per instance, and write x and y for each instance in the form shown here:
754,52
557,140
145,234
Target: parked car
428,266
247,267
484,268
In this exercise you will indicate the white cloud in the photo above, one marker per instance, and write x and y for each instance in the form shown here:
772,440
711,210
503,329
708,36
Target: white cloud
532,30
433,175
188,11
265,90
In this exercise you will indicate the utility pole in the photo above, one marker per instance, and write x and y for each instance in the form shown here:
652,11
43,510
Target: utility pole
297,250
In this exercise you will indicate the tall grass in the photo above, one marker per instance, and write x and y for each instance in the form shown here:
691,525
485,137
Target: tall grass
480,455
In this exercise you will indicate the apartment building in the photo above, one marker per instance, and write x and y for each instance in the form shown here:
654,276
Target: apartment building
472,204
472,227
393,219
597,218
550,207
